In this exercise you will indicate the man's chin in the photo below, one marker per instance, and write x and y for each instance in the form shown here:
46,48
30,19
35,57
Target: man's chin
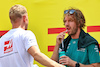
25,28
69,33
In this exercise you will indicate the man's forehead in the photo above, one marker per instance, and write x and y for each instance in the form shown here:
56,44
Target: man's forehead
69,17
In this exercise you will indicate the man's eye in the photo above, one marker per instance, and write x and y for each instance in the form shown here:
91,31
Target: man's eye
64,21
70,20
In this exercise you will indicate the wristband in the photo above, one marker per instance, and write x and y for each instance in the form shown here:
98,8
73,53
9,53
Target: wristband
77,65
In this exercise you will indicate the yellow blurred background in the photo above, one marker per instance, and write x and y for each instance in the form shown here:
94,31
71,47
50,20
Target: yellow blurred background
44,14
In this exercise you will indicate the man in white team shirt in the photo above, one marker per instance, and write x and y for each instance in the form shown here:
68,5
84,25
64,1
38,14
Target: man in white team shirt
18,46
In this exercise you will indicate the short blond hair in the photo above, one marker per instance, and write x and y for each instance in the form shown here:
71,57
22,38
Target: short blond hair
17,11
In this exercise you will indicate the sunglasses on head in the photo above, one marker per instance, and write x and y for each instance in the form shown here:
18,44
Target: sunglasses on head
69,11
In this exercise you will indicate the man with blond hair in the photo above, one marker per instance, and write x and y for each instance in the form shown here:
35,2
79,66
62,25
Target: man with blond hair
18,47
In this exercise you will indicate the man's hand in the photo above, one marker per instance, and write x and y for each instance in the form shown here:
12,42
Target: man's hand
60,37
65,60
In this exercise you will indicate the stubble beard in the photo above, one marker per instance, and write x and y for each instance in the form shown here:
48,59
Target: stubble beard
73,31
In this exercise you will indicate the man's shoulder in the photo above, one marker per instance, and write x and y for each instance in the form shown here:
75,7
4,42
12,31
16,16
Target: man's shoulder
87,40
88,37
28,32
24,32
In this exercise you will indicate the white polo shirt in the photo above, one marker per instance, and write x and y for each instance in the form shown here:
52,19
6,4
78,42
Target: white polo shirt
13,48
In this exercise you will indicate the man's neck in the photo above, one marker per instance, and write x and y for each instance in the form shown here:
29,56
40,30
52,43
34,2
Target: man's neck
17,25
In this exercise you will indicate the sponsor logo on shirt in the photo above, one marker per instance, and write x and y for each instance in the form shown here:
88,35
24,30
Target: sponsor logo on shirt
96,48
8,46
81,49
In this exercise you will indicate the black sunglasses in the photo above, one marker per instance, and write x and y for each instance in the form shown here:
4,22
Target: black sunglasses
69,11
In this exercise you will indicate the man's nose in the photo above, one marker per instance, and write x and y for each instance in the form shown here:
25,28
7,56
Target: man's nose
66,23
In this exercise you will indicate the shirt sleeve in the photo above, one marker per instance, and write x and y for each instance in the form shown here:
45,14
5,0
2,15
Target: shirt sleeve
93,54
29,40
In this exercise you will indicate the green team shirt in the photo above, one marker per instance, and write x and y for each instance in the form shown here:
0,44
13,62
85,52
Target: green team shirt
87,55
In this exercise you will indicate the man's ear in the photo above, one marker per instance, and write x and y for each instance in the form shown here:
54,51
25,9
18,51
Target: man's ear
24,18
80,22
79,25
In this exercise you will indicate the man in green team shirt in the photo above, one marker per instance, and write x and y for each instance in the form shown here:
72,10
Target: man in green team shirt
81,49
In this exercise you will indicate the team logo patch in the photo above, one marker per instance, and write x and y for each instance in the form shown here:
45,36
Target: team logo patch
8,46
81,49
